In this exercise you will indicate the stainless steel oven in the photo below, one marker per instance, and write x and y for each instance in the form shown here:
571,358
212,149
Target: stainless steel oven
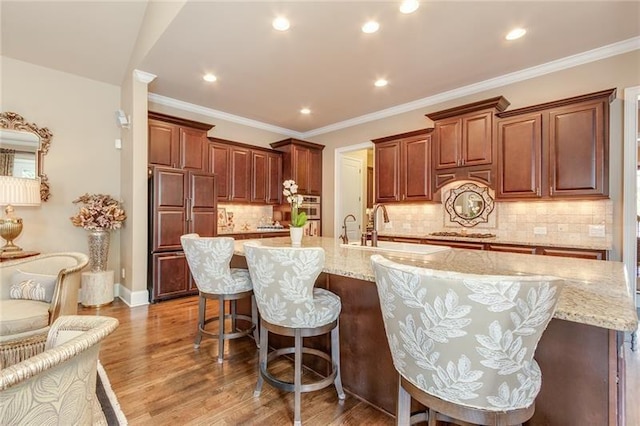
311,206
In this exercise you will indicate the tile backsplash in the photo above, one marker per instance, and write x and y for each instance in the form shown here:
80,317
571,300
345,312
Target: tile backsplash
247,214
563,221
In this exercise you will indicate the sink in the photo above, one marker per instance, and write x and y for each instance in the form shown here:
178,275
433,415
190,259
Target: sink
399,247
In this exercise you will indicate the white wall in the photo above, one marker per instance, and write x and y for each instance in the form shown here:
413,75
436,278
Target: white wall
82,157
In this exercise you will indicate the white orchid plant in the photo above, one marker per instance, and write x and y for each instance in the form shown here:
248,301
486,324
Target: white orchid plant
298,219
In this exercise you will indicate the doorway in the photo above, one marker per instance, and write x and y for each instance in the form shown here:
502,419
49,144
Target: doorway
352,180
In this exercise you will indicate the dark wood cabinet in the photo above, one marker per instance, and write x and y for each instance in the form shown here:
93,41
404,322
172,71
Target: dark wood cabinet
240,175
556,150
181,202
571,252
245,173
463,142
511,249
520,157
219,157
176,142
403,167
302,162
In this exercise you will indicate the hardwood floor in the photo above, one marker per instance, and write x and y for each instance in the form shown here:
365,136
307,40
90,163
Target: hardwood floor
161,379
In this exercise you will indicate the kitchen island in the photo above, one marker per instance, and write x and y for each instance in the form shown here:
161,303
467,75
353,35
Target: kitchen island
580,353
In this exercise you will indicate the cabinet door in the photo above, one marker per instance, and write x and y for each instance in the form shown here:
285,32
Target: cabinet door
240,174
301,158
448,140
387,171
192,149
315,172
170,275
164,149
274,178
476,139
219,164
259,178
520,157
416,169
169,202
201,204
577,150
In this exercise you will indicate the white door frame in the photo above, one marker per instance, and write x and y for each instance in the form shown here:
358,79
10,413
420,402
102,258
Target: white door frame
336,179
629,192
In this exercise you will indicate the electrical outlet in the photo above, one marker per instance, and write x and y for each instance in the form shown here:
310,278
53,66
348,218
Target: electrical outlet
539,230
388,225
122,274
596,231
406,226
118,143
563,227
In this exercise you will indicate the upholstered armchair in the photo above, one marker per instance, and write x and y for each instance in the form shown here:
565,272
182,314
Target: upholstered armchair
34,292
58,386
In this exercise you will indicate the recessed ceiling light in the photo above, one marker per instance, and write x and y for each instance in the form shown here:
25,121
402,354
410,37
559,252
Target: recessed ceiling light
516,34
209,77
409,6
370,27
305,111
381,82
281,23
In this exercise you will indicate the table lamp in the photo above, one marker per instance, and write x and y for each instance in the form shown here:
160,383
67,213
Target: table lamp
15,192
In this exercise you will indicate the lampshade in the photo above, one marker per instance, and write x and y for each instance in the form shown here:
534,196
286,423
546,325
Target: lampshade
15,192
19,191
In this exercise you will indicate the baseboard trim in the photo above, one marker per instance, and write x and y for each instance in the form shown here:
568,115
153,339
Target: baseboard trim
135,298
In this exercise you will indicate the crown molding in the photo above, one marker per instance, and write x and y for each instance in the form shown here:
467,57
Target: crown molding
143,76
503,80
209,112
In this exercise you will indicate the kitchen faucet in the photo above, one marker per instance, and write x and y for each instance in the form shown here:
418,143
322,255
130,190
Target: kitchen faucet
344,237
385,217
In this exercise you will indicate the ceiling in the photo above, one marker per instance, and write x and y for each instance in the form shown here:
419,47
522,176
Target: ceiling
324,62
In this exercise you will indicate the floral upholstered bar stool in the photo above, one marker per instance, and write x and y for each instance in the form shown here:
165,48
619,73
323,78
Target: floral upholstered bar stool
289,305
463,344
209,259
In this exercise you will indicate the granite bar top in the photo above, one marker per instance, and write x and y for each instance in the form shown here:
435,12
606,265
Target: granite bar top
540,240
596,291
252,231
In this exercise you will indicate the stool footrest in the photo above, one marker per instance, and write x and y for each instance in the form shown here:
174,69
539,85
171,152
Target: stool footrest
233,335
289,386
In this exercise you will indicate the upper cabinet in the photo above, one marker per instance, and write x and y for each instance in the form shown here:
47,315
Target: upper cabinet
302,162
463,142
246,174
555,150
403,167
177,143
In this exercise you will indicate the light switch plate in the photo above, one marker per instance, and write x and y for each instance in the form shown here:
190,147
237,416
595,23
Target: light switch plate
388,225
596,231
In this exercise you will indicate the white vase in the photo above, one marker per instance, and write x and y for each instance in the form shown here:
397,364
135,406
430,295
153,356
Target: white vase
296,235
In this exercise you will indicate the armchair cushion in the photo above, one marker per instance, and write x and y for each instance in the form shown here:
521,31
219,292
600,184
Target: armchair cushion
27,285
19,316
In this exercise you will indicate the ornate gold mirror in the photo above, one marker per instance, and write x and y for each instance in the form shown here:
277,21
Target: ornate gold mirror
469,204
23,146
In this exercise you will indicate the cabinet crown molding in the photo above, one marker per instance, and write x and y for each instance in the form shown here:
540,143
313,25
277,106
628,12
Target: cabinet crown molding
421,132
498,103
609,94
180,121
293,141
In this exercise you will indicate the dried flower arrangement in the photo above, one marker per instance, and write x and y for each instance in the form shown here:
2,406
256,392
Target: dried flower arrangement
100,211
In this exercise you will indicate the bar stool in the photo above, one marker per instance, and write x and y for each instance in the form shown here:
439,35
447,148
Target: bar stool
283,280
463,344
208,259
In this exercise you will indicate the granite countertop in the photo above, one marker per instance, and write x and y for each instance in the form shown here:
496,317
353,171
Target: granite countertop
539,240
251,231
596,291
